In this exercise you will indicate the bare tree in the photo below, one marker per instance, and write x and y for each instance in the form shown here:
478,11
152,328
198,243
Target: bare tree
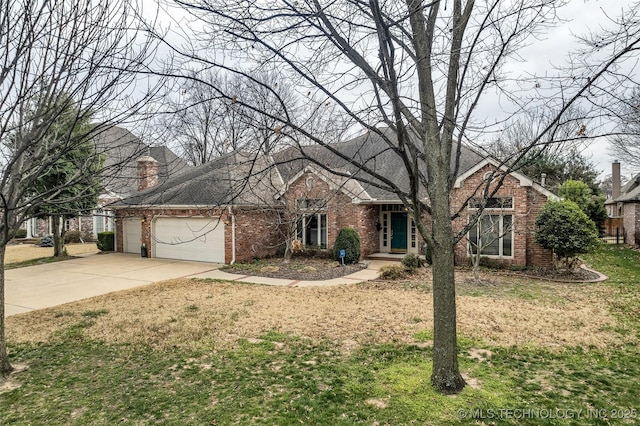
626,145
202,123
206,124
60,56
558,156
420,68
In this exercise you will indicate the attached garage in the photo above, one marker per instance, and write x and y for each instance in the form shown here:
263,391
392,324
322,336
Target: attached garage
132,234
188,238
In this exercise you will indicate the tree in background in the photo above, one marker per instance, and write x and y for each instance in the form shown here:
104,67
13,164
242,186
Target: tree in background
626,144
74,177
561,226
559,157
591,204
89,51
206,125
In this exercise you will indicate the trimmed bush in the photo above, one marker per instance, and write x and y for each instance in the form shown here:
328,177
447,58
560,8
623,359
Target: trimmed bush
46,241
21,233
561,226
411,262
72,237
392,272
106,241
349,241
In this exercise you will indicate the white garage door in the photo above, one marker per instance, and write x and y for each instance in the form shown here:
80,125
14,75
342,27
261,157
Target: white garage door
199,239
132,238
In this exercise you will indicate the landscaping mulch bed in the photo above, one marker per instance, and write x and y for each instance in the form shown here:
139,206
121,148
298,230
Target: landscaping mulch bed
578,275
304,269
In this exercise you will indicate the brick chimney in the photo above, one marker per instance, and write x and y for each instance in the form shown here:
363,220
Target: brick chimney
147,172
615,180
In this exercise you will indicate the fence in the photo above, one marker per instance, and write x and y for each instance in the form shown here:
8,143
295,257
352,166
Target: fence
614,231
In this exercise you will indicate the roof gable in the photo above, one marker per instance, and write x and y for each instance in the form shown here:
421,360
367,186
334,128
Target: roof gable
522,179
345,184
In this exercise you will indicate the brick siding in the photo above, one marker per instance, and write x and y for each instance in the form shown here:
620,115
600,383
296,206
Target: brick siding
527,202
631,218
340,211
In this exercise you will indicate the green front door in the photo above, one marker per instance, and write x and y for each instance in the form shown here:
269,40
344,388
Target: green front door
398,232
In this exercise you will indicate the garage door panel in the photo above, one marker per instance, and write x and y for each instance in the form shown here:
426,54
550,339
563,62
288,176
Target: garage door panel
198,239
132,238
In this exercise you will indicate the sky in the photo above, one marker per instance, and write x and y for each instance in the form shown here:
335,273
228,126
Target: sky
580,16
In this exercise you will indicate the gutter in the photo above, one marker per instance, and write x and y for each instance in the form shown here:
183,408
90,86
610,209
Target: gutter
181,206
233,237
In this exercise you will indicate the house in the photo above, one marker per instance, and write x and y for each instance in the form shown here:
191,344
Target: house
239,207
623,207
122,151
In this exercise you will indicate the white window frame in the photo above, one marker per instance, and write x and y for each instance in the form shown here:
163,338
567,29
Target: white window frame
105,217
501,213
321,233
312,208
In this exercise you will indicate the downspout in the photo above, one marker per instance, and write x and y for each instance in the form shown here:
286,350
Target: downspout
233,236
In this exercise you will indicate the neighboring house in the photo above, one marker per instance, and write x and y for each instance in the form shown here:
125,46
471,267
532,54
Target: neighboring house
214,213
623,207
122,154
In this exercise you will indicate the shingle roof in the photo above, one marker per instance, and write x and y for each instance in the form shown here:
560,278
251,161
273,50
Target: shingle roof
121,149
242,179
372,150
630,191
237,178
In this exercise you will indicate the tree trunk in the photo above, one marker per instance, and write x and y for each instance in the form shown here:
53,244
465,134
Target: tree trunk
5,366
287,252
475,258
445,376
58,237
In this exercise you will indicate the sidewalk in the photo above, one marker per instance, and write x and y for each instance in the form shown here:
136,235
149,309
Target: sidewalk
370,273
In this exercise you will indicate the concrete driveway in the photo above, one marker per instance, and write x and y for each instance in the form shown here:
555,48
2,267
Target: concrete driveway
43,286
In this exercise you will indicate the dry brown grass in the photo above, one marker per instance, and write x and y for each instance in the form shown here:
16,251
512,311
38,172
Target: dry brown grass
23,252
191,312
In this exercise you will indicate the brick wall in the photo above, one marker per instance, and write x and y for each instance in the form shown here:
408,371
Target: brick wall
526,205
259,233
631,218
147,168
340,211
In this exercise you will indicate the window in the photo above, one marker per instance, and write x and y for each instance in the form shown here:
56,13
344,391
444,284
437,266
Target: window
492,235
393,208
385,229
413,234
312,230
102,221
312,223
492,203
99,217
311,204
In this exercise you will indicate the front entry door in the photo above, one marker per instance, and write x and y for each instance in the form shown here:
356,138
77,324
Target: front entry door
399,232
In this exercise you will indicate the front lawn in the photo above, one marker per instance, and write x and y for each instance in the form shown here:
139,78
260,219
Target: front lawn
202,352
21,255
